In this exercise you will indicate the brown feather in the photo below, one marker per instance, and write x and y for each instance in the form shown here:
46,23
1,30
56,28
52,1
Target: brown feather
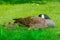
35,22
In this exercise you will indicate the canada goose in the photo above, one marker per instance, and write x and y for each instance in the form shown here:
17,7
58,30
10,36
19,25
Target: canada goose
48,20
33,22
36,22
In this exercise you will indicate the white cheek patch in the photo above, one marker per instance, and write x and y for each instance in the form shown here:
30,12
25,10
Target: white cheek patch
42,16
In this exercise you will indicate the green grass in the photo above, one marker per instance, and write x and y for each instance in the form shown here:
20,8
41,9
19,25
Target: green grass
9,12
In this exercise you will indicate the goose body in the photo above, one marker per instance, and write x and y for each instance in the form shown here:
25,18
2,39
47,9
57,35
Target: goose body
34,22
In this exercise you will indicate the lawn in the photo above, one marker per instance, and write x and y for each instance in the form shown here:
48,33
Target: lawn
9,12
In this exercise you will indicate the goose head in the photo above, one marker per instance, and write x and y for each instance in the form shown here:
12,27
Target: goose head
44,16
48,20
